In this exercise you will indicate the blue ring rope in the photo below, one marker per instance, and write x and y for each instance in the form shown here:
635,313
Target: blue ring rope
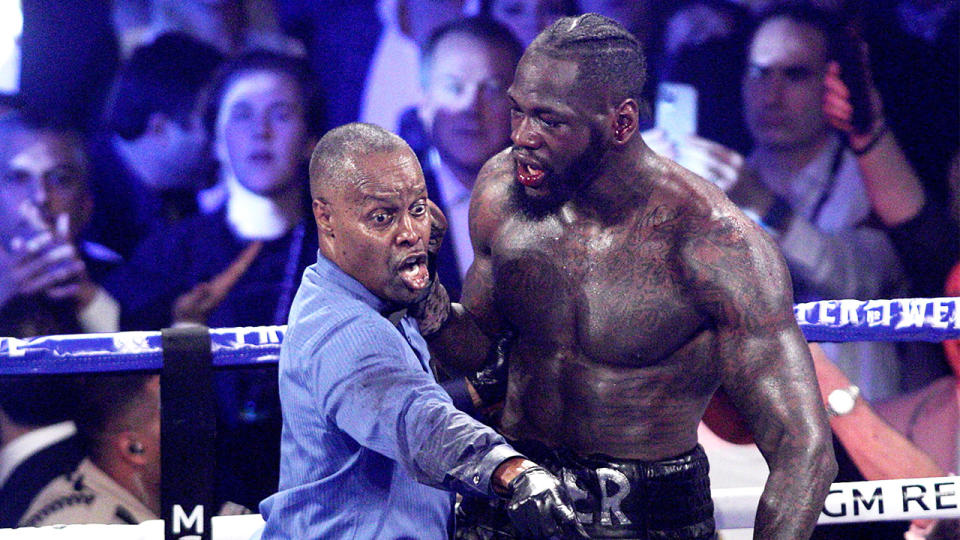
909,319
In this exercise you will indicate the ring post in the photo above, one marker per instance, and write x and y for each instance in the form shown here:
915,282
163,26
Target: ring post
188,430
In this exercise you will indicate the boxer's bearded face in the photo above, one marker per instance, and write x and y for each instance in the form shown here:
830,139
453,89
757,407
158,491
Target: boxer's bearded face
571,176
556,128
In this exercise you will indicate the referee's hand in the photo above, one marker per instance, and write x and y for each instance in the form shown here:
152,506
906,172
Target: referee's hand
539,506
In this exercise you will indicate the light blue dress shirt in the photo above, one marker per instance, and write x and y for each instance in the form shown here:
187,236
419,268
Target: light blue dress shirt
366,428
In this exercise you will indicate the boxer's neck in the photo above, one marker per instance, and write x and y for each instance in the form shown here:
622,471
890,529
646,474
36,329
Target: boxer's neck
623,186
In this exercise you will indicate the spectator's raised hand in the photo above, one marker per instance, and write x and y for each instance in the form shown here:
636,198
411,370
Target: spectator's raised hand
438,227
839,109
893,187
37,259
711,160
77,283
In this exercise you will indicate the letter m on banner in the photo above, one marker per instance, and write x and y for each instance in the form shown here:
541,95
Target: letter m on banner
187,527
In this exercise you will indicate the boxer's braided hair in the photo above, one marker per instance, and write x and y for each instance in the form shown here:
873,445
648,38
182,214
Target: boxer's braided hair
610,56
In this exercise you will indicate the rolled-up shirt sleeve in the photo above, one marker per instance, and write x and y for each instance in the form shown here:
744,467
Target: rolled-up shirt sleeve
371,384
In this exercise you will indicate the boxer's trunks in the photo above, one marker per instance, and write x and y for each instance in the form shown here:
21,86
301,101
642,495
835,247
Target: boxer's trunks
614,498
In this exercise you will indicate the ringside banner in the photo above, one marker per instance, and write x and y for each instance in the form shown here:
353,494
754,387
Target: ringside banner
907,319
855,502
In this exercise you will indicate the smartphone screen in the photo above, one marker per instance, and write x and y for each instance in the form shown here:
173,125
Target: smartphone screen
853,71
11,30
676,109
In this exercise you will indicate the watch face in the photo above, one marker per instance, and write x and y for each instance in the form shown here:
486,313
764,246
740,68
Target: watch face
841,401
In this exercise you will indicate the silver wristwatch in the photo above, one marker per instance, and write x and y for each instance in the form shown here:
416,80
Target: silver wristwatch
842,400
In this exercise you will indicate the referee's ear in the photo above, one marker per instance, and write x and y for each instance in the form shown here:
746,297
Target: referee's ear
323,217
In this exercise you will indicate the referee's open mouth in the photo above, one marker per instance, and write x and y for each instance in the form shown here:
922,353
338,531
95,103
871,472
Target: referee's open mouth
413,271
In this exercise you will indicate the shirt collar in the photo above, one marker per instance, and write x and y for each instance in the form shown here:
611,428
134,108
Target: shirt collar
24,446
255,217
452,191
819,168
803,184
333,274
102,484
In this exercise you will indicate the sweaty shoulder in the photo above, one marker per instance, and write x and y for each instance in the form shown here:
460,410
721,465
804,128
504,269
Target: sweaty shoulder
718,247
489,201
702,207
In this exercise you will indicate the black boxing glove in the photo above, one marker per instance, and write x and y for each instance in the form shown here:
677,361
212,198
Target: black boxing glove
540,508
438,229
490,381
433,311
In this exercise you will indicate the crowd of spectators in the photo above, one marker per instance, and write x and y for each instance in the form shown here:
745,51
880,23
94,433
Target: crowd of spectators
154,174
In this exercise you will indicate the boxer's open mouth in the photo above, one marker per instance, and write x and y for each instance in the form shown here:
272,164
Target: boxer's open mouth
530,175
413,271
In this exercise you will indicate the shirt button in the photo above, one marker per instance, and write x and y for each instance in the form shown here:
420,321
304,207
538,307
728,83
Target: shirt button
476,479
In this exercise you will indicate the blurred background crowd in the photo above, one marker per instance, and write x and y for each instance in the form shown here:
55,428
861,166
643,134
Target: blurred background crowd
153,157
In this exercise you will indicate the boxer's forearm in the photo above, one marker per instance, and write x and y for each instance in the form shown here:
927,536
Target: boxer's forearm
785,412
796,441
800,477
453,333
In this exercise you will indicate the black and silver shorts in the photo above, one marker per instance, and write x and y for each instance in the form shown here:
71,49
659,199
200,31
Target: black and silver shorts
613,498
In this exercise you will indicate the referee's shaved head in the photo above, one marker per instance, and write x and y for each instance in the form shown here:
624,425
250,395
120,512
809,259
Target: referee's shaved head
336,158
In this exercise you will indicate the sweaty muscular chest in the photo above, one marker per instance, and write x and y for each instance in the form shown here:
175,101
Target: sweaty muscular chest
614,295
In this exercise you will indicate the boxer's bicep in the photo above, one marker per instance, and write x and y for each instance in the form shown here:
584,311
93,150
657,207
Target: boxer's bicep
477,295
767,366
488,211
740,281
